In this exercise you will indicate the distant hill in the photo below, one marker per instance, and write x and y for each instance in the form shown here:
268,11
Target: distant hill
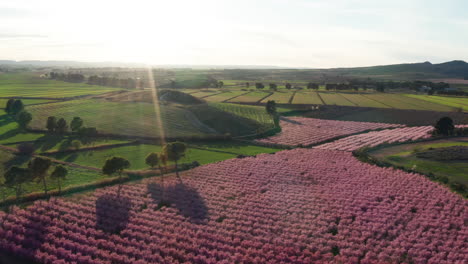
452,69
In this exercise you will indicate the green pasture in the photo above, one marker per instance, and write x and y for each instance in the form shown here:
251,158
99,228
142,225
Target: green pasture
137,119
75,176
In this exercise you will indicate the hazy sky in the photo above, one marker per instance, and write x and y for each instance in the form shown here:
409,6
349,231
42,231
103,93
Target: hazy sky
308,33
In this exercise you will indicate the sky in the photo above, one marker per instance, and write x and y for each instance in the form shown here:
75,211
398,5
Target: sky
289,33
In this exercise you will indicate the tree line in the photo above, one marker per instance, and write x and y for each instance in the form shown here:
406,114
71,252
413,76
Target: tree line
60,126
127,83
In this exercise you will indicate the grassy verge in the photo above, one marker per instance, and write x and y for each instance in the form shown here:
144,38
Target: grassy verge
403,156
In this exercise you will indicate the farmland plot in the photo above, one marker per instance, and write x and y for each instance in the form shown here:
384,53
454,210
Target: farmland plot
307,98
376,138
251,97
298,206
308,131
224,96
363,101
335,99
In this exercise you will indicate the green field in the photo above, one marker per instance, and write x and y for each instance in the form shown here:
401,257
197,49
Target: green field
224,96
30,85
336,99
257,113
137,119
454,102
137,154
405,155
363,101
307,98
75,176
9,132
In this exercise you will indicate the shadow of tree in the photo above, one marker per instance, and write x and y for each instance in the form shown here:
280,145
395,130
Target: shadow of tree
10,134
17,160
72,157
5,119
112,213
290,121
47,142
186,199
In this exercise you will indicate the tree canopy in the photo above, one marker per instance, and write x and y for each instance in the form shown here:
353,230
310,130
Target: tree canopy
445,126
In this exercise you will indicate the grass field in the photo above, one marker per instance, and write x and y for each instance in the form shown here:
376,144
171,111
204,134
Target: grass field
137,119
137,154
257,113
454,102
30,85
363,101
75,176
9,132
405,155
307,98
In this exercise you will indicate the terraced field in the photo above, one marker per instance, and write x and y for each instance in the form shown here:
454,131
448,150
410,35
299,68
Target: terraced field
137,119
29,85
454,102
251,97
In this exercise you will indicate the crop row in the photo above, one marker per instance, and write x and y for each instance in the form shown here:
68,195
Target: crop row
297,206
308,131
375,138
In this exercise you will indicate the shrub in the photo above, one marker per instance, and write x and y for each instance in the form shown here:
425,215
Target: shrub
26,148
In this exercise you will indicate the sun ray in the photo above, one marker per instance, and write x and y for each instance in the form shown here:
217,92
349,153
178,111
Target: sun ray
156,105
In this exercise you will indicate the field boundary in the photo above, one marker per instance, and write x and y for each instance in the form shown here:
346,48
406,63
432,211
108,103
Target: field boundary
379,102
234,97
292,97
348,100
157,139
212,94
270,94
99,147
320,97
